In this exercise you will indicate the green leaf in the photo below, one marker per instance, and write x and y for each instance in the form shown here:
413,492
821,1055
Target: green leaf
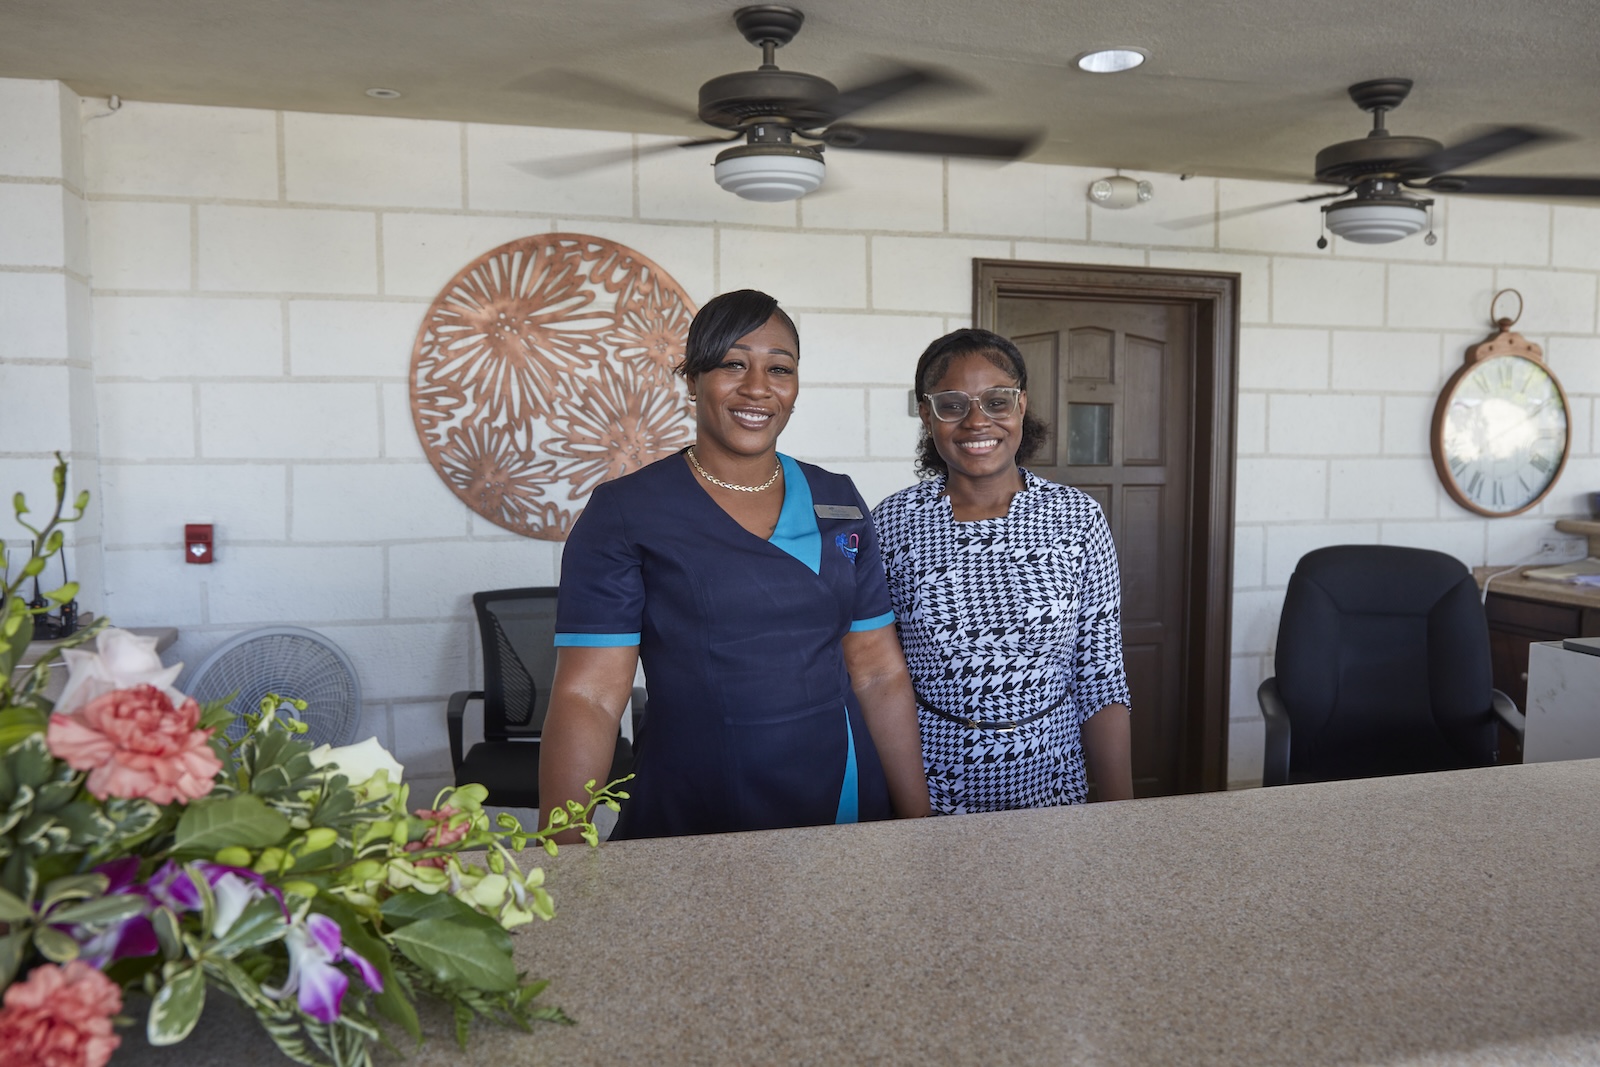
176,1008
456,954
74,887
54,945
30,762
168,932
242,820
402,909
34,567
104,910
12,948
19,504
62,595
392,1003
261,922
13,909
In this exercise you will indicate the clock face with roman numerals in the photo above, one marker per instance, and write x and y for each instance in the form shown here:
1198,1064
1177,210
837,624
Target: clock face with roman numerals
1500,435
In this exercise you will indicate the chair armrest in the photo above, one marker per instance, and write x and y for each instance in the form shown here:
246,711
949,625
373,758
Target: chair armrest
1275,758
452,721
1506,711
641,701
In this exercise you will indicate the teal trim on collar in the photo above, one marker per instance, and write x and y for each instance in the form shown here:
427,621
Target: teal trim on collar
596,640
877,622
796,532
849,798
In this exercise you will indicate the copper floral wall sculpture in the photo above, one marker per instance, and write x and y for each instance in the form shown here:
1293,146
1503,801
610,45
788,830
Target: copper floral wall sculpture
545,368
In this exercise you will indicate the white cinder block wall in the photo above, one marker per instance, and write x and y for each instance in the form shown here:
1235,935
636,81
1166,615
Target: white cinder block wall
47,391
255,281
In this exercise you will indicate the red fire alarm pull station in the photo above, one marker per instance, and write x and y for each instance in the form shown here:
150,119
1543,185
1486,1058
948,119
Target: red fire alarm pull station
197,542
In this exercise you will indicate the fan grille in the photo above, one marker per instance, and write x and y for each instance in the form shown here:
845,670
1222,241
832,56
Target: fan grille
291,662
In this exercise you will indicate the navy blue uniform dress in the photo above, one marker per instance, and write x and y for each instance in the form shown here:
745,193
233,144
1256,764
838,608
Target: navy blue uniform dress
752,722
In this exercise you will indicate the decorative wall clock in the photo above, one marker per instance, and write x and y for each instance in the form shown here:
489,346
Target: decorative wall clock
1500,430
545,368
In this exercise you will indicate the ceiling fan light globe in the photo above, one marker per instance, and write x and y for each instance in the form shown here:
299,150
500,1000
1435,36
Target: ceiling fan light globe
1375,223
769,176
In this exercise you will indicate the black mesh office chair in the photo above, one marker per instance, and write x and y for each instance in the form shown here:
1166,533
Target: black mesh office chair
517,627
1382,668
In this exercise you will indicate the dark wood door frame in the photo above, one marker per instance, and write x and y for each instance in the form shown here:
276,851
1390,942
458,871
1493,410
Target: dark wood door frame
1214,301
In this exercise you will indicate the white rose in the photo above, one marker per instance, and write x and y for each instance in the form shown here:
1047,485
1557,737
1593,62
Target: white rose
358,762
121,660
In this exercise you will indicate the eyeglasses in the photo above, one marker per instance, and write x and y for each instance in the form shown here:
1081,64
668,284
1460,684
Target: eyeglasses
952,405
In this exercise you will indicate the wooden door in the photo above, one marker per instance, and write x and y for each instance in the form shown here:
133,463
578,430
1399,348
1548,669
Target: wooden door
1112,381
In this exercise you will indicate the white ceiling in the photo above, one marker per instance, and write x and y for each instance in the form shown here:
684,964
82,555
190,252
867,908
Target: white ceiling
1241,88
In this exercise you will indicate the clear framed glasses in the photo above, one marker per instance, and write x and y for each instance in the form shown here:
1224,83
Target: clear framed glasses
952,405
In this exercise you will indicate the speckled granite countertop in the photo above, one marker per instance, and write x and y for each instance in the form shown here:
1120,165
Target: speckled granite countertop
1450,918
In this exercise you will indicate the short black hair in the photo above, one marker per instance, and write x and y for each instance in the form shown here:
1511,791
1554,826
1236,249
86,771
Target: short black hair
936,360
722,321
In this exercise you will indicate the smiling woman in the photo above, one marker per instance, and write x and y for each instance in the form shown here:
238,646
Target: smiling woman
1008,598
749,586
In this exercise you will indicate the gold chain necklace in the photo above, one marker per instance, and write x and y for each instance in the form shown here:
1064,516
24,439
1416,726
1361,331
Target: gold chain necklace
714,480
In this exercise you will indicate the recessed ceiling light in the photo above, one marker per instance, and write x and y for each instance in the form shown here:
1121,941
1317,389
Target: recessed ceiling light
384,94
1110,60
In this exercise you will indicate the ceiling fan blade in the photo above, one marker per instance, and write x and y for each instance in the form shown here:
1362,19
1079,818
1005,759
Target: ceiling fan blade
930,142
898,80
580,162
1493,142
1191,221
590,87
1505,185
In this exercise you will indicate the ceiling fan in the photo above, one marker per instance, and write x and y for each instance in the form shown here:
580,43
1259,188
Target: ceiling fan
780,121
1381,170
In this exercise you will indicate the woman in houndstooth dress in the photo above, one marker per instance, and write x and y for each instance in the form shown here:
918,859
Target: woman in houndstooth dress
1007,597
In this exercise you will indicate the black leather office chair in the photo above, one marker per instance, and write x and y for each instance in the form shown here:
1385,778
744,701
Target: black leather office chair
1382,668
517,627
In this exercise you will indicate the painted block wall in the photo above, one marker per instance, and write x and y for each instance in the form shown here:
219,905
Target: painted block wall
47,388
256,279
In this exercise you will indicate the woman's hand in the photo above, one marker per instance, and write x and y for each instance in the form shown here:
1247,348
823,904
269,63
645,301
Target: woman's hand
1106,748
590,692
883,687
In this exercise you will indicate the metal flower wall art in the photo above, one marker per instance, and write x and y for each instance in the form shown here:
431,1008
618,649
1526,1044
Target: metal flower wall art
545,368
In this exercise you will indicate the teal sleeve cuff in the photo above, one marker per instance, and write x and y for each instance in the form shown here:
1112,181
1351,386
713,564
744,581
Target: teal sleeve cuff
596,640
877,623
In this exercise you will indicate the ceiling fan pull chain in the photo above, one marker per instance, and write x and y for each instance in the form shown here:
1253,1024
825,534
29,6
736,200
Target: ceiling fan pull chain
1322,240
1432,238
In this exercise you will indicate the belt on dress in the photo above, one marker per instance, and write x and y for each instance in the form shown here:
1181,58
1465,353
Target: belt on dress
1002,726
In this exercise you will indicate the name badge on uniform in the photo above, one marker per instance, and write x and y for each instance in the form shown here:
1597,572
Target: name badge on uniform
837,511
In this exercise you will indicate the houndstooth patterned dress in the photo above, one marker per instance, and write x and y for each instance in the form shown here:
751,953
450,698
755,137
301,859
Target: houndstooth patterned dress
1002,619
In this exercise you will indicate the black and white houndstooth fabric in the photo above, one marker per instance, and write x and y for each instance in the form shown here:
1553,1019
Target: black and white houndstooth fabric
1002,619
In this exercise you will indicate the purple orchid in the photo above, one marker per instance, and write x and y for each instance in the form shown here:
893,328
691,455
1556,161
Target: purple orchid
131,937
315,949
232,888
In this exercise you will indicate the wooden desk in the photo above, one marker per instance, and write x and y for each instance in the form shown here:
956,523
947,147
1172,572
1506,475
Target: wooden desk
1429,919
1524,610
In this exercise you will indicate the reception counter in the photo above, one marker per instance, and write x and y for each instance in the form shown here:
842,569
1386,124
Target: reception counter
1448,918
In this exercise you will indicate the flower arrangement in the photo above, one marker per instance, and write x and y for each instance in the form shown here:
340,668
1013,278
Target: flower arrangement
142,849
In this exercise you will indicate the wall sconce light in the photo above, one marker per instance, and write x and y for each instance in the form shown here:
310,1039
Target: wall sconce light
1119,191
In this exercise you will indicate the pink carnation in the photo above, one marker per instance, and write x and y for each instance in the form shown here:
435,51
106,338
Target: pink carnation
60,1017
134,743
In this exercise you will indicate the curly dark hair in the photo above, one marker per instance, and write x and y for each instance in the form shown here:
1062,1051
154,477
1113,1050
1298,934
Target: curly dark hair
722,321
936,360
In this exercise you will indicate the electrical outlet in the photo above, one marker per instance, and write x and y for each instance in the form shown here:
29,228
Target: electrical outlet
1555,548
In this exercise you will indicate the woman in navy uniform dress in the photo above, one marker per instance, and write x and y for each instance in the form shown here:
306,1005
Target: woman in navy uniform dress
750,587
